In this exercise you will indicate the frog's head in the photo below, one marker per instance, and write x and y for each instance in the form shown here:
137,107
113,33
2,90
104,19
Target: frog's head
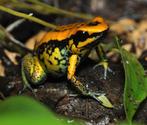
90,32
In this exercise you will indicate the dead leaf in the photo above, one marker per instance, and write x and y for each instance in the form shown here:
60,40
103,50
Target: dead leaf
123,25
2,69
139,37
12,56
31,42
133,33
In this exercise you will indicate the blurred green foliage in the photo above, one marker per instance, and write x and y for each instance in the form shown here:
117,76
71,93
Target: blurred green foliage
21,110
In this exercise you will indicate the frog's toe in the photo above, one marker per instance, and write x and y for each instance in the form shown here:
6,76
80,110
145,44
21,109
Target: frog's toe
105,66
101,98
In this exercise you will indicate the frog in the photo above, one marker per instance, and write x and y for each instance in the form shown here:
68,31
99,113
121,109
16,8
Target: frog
61,51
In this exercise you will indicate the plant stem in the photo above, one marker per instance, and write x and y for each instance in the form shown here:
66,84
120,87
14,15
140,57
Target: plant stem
26,16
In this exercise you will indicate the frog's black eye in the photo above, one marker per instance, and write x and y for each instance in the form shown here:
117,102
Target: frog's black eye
93,23
80,36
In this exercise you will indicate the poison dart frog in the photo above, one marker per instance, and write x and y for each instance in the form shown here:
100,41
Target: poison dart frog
60,51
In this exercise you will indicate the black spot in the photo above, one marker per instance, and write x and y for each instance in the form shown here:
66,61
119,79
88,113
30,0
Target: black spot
56,58
93,23
50,62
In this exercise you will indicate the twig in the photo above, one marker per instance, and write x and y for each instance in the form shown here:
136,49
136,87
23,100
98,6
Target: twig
26,16
14,25
13,40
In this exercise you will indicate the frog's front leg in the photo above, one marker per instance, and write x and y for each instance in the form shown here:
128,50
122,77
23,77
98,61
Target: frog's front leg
103,60
32,71
100,97
73,62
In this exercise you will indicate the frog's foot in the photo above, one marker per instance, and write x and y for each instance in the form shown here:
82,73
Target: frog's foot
104,63
101,98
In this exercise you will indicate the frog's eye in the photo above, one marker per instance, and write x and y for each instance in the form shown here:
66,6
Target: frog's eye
93,23
83,32
80,36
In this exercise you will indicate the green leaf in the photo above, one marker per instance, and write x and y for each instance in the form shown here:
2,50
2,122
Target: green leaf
21,110
135,90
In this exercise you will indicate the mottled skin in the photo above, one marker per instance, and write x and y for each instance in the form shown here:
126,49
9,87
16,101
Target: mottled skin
60,51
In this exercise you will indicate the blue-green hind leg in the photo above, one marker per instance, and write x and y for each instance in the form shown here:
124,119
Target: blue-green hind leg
103,60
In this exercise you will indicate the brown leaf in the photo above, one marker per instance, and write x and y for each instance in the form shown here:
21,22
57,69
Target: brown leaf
12,56
31,42
2,69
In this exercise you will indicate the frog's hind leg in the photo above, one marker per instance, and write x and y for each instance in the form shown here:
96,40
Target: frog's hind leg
32,72
26,82
103,60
